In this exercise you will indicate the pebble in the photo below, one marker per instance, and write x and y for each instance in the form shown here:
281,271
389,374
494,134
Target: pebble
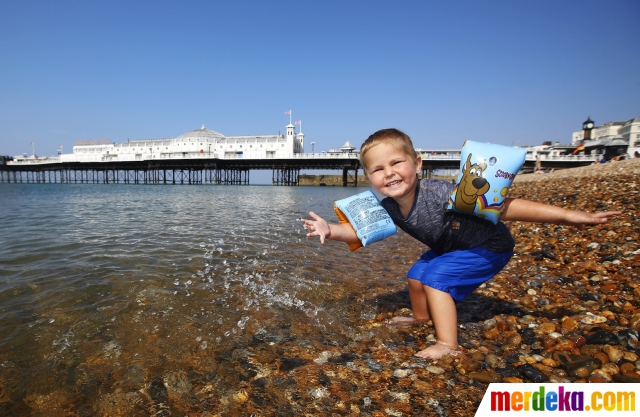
582,367
591,319
533,374
614,353
486,377
435,369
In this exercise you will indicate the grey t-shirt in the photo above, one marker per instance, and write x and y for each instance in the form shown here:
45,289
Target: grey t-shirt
443,231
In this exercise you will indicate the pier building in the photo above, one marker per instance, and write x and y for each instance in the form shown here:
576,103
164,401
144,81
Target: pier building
200,143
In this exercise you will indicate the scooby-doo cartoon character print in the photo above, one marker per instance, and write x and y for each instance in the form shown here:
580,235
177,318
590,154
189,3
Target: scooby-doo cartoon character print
486,174
471,186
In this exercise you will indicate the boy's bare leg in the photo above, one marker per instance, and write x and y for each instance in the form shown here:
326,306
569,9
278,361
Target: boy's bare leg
445,320
419,304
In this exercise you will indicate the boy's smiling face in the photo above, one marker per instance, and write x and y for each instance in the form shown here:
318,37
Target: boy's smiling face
392,172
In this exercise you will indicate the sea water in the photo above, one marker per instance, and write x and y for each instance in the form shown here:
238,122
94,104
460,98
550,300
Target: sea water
98,278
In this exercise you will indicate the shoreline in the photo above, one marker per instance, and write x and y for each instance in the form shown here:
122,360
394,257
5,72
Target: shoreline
628,166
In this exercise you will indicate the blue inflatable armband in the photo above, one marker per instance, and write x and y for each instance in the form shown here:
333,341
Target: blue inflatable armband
367,217
486,174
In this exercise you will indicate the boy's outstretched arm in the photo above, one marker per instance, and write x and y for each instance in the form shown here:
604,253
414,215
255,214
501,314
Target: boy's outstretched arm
517,209
319,227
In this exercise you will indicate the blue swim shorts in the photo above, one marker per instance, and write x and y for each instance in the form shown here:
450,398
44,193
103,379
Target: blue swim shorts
459,272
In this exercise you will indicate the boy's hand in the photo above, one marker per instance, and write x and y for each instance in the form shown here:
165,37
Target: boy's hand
317,227
581,217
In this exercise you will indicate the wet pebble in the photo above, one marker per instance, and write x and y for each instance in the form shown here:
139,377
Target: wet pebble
486,377
533,374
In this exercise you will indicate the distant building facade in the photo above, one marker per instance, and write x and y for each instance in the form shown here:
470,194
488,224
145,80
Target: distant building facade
628,130
614,135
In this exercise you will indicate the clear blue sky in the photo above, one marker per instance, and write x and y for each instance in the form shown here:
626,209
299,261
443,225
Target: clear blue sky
509,72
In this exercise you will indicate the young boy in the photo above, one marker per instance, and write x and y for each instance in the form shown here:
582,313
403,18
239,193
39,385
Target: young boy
464,250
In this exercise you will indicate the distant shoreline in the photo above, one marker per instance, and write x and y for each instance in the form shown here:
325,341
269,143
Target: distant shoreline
628,166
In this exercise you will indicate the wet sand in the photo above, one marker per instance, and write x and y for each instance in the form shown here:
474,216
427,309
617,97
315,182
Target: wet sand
565,309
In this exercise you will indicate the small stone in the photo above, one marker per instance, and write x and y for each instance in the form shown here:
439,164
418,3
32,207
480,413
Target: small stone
438,384
594,378
563,344
561,357
533,374
468,365
631,374
492,360
613,352
435,369
489,324
602,338
513,338
546,328
486,377
609,368
624,377
558,379
604,358
527,319
577,341
491,334
582,368
422,386
589,350
593,319
402,373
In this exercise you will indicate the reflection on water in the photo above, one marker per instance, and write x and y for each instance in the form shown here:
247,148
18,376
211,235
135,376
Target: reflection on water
133,297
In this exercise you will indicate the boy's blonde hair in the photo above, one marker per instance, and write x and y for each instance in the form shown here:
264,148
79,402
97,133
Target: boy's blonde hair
391,136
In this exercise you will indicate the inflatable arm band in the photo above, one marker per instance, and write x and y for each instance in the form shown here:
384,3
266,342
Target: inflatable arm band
368,218
486,174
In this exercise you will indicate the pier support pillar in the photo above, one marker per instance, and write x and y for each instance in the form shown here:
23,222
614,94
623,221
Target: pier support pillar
285,176
347,178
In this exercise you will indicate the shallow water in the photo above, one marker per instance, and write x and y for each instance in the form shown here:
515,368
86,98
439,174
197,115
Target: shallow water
104,288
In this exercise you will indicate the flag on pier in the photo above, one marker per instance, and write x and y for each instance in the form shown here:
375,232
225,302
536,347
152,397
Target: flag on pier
579,148
298,122
287,112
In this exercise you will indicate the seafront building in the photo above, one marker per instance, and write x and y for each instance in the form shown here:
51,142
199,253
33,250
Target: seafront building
628,130
615,133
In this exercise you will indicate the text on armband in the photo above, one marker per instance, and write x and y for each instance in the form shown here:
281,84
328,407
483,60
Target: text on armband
506,175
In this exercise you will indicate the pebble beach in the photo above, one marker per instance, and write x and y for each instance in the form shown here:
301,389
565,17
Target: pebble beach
565,309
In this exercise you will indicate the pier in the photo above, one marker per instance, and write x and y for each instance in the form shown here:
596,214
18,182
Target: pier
207,157
203,169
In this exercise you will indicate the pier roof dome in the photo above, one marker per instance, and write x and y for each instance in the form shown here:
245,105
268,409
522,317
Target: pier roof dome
200,134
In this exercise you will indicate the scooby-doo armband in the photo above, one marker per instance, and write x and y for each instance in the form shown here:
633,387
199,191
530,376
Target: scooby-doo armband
367,217
486,174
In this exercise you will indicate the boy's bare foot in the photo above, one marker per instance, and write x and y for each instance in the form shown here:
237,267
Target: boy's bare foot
439,350
402,320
